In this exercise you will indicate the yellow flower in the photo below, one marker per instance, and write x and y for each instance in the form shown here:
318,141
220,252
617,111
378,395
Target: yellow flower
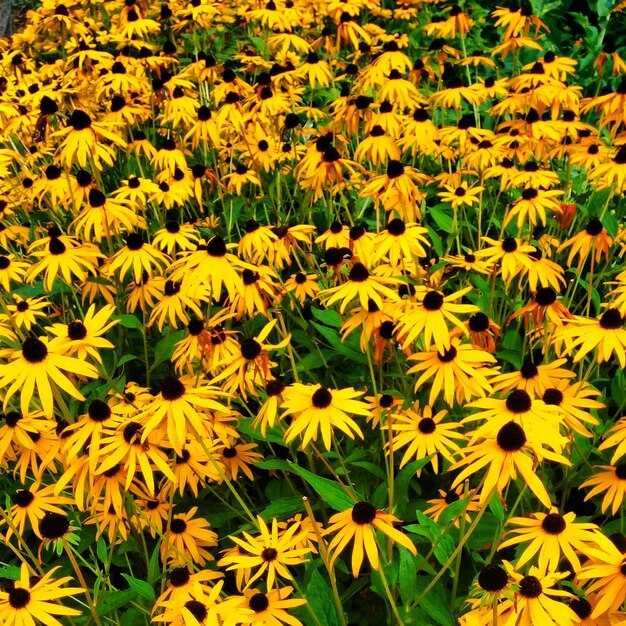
359,524
316,408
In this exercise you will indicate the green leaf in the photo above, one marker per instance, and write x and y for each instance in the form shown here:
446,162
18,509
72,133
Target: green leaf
113,600
141,587
330,317
319,596
128,321
314,360
453,511
101,550
371,468
273,464
435,239
132,617
282,507
11,572
407,576
434,606
441,217
407,473
165,347
495,506
328,490
334,339
125,359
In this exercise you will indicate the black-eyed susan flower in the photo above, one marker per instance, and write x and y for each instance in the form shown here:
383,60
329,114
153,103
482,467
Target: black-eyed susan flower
462,195
461,372
423,434
508,453
270,551
187,540
401,241
177,410
257,243
62,255
316,409
358,524
41,366
12,270
211,266
551,536
534,377
439,505
610,480
592,240
204,607
104,217
266,608
510,252
429,317
30,505
84,141
605,571
33,599
534,598
267,414
303,287
251,366
183,584
607,335
121,445
137,257
237,457
361,284
83,338
25,312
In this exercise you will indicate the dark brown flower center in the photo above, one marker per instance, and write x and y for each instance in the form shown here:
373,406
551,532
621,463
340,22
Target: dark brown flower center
594,227
197,609
178,525
131,430
53,525
519,401
363,513
321,398
269,554
396,227
427,425
250,349
553,396
433,301
23,497
545,296
581,607
19,598
179,576
509,244
479,322
611,319
99,411
172,388
34,350
511,437
554,524
359,273
258,602
530,587
76,330
493,578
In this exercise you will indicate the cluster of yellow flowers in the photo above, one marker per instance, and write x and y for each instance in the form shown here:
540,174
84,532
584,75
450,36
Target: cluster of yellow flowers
227,227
